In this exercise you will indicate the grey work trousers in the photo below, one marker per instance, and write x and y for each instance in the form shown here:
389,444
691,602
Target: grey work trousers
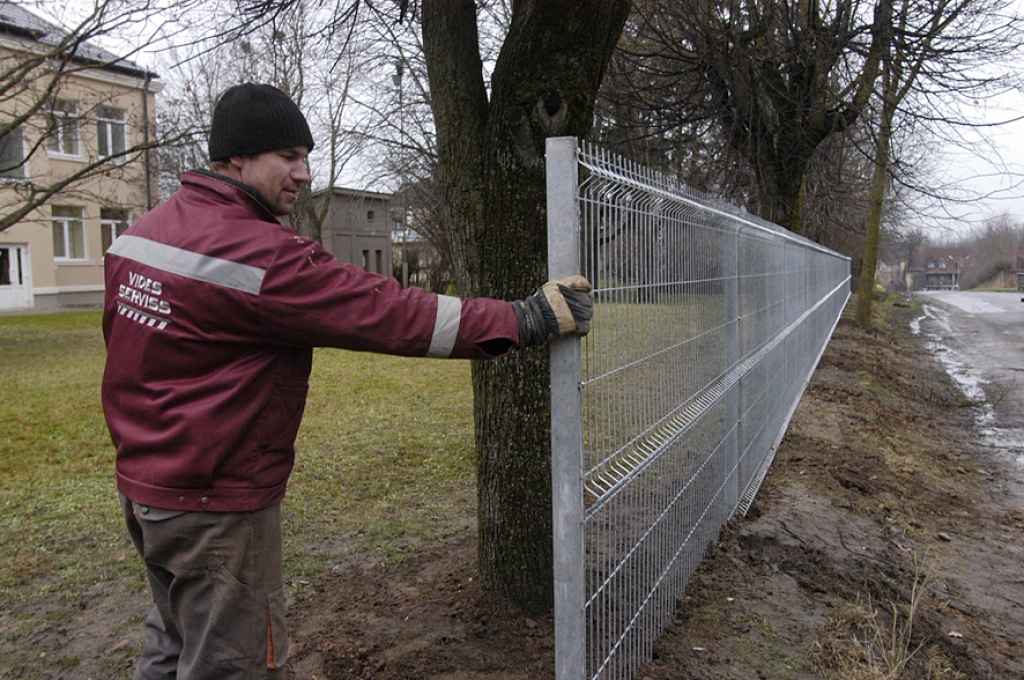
217,590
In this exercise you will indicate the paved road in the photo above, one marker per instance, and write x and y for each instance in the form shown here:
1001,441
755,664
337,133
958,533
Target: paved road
979,337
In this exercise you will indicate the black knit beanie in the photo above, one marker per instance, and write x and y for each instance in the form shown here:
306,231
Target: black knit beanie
251,119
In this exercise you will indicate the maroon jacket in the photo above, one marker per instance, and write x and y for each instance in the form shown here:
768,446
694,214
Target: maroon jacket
212,310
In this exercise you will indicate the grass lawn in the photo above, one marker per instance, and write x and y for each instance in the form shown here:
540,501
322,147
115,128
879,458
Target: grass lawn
384,460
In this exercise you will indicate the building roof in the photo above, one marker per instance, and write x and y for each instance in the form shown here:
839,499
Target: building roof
356,193
19,22
930,257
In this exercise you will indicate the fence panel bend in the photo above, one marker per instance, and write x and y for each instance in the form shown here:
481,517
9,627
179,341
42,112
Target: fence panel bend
708,324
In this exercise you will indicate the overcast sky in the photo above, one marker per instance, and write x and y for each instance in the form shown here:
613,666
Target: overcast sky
1008,186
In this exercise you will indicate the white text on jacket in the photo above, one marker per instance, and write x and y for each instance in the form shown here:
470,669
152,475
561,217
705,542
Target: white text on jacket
144,292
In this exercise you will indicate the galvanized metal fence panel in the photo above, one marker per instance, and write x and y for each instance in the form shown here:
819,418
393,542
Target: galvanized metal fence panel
708,323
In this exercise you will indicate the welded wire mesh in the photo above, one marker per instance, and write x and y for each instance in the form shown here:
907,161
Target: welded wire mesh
707,325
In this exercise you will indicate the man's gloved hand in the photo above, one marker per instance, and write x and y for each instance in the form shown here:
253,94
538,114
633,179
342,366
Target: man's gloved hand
561,307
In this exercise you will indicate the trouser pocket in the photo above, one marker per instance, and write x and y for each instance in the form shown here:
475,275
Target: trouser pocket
277,634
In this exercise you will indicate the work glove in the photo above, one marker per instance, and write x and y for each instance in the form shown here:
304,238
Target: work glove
561,307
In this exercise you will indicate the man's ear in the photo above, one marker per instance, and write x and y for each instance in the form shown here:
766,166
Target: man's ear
233,167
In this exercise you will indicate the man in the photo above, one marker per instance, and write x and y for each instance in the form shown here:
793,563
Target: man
212,310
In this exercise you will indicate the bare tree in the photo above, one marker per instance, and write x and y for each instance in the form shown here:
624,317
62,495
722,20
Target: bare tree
292,49
397,125
772,80
932,49
835,193
192,87
994,250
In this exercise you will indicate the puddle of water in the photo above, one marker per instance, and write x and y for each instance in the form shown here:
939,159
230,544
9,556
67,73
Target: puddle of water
936,327
968,380
1008,440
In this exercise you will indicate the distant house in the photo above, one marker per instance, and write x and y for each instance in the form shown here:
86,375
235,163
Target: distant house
99,109
936,267
357,228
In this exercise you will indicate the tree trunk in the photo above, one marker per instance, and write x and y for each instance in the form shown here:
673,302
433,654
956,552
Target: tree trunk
873,227
458,99
894,89
492,172
781,194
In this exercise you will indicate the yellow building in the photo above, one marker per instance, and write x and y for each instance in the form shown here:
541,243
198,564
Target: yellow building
79,111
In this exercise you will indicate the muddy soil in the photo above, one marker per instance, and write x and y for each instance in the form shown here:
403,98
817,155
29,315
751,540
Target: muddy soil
885,542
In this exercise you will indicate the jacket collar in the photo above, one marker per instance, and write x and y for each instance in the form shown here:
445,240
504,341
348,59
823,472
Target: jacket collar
255,195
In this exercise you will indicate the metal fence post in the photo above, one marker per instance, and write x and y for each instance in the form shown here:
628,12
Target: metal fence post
566,419
732,267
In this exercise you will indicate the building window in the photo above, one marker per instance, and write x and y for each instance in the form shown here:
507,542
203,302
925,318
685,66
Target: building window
113,223
5,266
12,155
68,233
64,133
366,260
11,266
110,131
369,216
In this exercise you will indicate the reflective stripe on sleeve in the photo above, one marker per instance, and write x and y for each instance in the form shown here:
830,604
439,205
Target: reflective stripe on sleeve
446,326
243,277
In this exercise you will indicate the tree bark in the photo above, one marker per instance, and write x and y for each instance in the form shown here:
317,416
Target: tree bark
781,193
890,75
873,227
491,157
458,99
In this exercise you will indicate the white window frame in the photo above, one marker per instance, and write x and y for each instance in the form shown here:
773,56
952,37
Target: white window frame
65,134
23,168
114,226
111,123
66,226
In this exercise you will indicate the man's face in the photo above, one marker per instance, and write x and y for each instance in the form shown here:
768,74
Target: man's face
277,175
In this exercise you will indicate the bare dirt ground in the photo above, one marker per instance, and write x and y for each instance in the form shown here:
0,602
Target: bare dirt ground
884,543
